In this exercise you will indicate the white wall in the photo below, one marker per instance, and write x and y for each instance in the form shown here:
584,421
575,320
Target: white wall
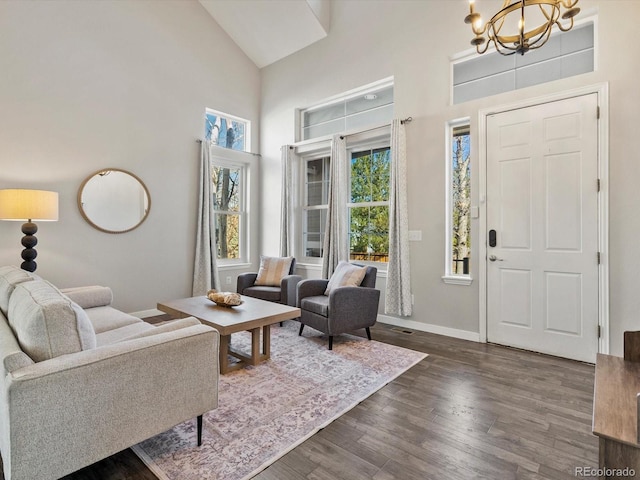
96,84
413,41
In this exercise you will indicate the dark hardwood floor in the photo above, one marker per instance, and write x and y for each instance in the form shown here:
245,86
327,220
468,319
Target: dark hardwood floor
468,411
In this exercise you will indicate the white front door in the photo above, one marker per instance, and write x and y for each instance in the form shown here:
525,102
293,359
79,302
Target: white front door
542,203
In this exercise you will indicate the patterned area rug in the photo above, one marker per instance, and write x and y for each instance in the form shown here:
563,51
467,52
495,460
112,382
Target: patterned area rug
267,410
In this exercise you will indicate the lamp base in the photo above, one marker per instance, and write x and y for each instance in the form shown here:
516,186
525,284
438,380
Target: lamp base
29,241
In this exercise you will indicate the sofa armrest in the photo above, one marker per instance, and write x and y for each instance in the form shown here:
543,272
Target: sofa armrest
310,288
288,289
352,308
89,297
94,403
245,280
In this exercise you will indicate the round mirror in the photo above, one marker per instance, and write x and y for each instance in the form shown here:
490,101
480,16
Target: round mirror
114,200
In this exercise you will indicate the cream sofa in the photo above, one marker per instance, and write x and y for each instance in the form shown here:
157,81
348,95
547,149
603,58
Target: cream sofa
82,380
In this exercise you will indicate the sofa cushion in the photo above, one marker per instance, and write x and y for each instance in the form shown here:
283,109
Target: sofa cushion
272,269
10,276
346,275
123,333
108,318
46,323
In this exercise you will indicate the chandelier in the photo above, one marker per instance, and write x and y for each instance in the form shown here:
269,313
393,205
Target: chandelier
510,37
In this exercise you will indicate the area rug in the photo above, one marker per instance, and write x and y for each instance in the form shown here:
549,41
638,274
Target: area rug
267,410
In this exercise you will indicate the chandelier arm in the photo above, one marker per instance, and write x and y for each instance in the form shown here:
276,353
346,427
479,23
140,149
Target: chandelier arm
568,3
565,29
540,41
504,50
486,46
544,12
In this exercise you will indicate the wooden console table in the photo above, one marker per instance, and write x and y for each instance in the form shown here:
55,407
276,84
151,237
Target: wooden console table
616,408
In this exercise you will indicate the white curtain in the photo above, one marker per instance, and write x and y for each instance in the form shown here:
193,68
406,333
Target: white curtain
398,292
205,270
287,208
335,247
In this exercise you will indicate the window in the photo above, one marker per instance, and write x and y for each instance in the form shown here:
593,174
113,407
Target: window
315,205
369,205
458,201
227,131
359,108
566,54
363,115
228,181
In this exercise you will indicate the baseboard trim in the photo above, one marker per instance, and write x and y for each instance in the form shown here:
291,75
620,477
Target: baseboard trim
147,313
430,328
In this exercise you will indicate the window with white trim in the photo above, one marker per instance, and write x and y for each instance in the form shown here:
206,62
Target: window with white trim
227,131
228,181
566,54
458,203
314,209
369,205
368,200
354,110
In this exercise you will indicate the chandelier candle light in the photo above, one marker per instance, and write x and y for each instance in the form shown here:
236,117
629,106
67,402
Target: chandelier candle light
29,205
543,13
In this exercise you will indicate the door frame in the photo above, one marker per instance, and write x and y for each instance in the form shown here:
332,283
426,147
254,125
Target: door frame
602,91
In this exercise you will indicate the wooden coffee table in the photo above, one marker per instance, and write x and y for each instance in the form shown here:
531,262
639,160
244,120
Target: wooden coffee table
251,316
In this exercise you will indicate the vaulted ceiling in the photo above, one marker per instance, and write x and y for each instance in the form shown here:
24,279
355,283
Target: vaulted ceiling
269,30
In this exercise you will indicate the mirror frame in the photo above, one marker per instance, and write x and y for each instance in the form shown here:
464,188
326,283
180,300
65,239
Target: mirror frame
102,229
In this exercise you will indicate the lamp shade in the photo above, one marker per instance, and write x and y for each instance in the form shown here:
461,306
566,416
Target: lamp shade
20,204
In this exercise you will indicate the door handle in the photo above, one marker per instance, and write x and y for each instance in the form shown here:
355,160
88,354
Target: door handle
493,258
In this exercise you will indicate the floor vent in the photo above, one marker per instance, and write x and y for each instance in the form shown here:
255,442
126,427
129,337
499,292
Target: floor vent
402,330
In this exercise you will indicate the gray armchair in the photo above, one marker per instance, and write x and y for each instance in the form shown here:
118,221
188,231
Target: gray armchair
345,308
285,293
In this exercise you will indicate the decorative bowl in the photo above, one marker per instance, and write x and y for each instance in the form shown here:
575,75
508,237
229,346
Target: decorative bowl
224,299
227,305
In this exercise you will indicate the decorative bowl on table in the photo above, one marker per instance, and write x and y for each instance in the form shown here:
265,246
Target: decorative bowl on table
224,299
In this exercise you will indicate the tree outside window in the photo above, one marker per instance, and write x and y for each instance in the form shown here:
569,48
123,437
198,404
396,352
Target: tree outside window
226,131
228,210
460,201
369,205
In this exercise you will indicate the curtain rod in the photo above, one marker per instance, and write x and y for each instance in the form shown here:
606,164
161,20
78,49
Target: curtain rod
403,121
320,140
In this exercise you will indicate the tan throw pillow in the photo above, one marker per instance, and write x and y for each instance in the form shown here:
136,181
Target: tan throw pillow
346,275
272,269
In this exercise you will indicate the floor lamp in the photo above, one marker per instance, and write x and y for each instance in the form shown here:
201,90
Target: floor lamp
29,205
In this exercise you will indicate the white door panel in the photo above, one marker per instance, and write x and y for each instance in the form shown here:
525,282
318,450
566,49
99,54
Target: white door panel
542,287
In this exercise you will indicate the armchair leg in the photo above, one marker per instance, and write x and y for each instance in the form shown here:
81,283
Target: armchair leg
330,342
368,333
301,328
199,428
